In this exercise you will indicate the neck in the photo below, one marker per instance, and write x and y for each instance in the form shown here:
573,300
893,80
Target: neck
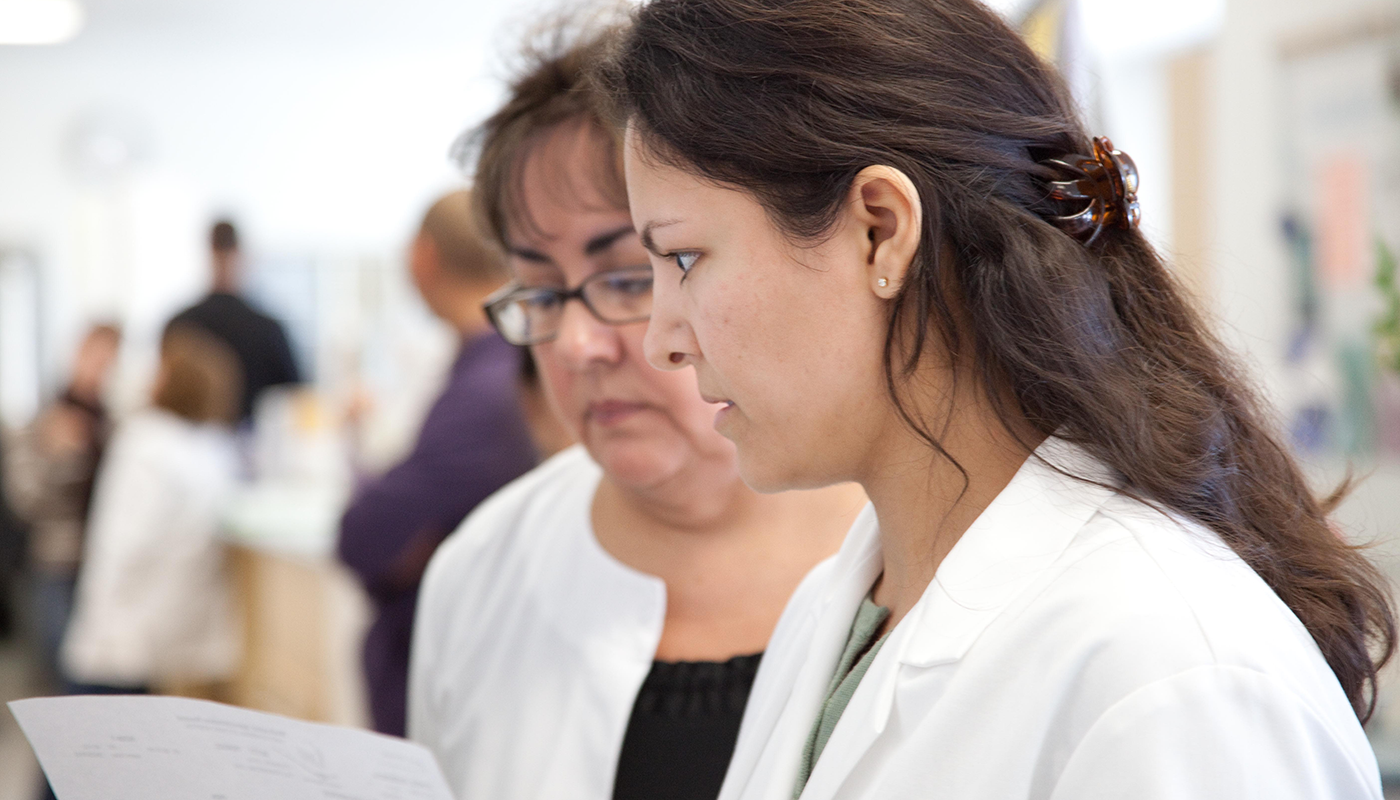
85,393
673,508
730,557
925,503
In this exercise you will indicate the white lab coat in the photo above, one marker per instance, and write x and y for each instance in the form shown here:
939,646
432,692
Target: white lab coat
531,643
1074,645
153,600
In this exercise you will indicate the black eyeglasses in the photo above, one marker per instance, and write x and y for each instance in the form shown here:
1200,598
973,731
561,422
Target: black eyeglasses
526,315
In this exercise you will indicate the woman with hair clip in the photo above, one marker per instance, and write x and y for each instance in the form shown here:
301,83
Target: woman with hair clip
1091,569
592,630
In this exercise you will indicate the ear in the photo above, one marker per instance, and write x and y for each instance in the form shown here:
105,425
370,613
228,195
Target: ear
423,260
885,205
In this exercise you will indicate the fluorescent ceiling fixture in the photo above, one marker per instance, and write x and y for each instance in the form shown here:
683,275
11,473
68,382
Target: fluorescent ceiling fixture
39,21
1117,29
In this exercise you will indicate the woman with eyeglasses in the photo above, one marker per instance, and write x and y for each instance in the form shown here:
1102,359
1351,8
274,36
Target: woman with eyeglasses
592,630
1091,569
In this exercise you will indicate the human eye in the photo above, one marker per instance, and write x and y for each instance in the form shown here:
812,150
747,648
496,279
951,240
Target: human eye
633,283
533,300
685,259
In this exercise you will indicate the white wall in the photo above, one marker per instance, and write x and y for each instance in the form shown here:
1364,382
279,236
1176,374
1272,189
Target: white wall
321,126
1250,282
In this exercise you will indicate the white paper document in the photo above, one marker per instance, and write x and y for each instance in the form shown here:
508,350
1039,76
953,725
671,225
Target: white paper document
171,748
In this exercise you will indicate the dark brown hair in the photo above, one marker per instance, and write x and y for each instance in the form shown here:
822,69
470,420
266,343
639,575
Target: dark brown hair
223,237
551,91
200,376
790,99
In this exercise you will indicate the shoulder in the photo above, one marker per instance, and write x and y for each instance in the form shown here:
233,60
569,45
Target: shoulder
1155,646
195,311
513,525
1180,575
481,389
1141,596
148,430
186,450
1219,731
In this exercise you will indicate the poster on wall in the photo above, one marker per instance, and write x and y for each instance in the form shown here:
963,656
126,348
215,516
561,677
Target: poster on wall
1341,223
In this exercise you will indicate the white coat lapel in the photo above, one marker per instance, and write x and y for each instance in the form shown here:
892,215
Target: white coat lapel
1019,534
863,720
787,696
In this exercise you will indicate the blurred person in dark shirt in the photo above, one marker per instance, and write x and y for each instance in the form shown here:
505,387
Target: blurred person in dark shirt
257,339
49,471
474,440
11,547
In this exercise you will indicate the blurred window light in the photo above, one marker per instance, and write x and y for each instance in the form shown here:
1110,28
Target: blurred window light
20,377
1133,29
39,21
1126,30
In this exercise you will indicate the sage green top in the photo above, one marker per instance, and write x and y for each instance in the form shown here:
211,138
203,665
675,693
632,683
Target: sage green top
855,660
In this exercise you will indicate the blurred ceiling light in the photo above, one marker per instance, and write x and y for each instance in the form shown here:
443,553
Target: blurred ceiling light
39,21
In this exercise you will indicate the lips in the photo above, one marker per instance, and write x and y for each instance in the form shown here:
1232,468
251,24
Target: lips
612,412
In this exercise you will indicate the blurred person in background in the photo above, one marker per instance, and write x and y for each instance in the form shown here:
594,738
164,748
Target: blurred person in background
154,607
49,472
474,440
592,630
258,340
12,535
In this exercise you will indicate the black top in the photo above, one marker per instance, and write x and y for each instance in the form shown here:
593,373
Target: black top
683,727
257,339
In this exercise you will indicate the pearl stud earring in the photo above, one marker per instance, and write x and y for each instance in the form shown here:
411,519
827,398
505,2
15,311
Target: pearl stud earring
883,282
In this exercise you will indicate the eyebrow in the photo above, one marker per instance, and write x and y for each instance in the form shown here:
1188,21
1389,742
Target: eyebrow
650,243
526,254
603,241
592,247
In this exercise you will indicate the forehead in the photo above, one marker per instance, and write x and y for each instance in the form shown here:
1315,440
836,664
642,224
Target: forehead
669,199
566,184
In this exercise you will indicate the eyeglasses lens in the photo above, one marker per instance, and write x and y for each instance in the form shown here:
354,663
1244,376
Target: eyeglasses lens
620,297
532,316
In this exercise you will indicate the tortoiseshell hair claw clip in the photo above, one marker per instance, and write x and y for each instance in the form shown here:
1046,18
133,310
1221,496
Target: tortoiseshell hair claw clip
1107,181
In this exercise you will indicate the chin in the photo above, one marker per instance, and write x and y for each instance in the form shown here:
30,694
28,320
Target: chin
766,477
779,468
636,463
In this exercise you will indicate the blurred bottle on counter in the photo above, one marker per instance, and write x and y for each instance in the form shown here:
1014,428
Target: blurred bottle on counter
258,341
49,471
474,440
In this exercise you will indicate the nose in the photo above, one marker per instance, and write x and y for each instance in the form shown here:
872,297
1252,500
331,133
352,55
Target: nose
670,341
583,341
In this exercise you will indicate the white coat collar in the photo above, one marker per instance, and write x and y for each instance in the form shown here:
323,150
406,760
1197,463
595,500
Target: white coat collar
604,607
1024,529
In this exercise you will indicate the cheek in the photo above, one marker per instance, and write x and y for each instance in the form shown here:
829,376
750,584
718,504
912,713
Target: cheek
802,350
559,387
682,397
